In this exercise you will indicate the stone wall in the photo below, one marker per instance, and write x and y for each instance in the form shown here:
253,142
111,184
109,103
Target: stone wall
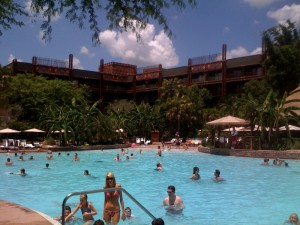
272,154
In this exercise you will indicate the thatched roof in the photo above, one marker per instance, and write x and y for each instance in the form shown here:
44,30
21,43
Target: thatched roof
294,100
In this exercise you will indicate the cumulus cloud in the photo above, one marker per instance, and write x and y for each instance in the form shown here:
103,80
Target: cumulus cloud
28,9
85,51
287,12
40,37
241,51
76,63
152,50
11,57
260,3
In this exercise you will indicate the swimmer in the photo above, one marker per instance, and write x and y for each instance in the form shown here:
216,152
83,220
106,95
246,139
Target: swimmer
173,202
76,158
87,209
195,175
265,162
217,176
8,162
21,173
159,166
86,173
47,166
67,213
118,158
158,221
128,214
293,219
99,222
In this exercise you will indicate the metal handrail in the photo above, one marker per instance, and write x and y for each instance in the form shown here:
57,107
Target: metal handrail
98,191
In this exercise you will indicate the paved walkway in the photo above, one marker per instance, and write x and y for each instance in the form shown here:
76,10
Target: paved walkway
14,214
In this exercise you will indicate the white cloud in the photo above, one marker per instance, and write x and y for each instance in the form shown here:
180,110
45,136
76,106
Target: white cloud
11,57
241,51
291,12
40,37
85,51
260,3
152,49
29,11
76,63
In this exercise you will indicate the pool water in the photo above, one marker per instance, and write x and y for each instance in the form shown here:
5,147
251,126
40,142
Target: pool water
251,193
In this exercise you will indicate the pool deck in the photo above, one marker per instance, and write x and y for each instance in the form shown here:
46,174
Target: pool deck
14,214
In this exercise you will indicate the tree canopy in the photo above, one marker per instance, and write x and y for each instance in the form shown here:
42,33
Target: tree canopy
283,57
122,15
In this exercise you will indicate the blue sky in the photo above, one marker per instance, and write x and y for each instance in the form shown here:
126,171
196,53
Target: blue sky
197,32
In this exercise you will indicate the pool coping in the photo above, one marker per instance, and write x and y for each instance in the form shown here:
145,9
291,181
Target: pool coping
16,214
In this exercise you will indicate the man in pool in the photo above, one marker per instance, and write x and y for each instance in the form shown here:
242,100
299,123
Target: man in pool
173,202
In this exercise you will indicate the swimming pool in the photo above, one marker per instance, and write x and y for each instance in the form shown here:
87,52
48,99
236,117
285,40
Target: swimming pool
251,194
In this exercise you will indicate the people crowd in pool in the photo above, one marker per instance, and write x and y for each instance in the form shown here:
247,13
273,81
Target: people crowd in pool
276,162
114,209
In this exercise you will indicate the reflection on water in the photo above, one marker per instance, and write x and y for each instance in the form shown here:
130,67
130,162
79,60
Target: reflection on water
251,193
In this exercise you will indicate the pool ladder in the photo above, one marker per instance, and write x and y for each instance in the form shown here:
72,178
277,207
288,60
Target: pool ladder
98,191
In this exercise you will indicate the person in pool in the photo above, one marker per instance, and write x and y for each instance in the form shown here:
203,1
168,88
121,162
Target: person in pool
293,219
159,166
173,201
67,213
217,176
8,162
195,175
87,210
112,201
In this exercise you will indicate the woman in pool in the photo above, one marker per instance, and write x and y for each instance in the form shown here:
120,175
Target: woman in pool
111,212
195,175
87,210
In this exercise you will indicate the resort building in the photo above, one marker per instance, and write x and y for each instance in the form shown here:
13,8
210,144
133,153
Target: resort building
115,80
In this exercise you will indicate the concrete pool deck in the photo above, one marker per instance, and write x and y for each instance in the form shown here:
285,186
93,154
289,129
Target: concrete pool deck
14,214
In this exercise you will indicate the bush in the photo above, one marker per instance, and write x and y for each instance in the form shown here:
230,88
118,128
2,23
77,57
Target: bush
220,151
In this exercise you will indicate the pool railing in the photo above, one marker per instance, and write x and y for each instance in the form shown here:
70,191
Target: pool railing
98,191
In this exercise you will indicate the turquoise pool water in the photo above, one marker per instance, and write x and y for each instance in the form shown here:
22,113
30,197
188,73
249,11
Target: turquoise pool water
251,193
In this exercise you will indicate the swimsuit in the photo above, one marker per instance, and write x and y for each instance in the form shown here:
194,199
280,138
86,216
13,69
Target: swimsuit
87,210
112,213
115,194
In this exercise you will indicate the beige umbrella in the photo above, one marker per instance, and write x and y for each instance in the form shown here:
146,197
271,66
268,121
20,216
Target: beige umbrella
291,127
9,131
228,120
34,130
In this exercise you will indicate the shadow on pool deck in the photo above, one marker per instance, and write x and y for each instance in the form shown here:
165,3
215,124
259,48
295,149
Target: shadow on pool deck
14,214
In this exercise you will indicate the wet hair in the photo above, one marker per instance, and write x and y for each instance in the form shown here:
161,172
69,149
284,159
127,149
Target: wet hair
98,222
171,187
128,208
68,208
86,172
217,172
195,169
47,165
158,221
22,170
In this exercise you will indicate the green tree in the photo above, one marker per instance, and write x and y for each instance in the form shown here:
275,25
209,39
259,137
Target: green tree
122,15
9,12
283,57
27,95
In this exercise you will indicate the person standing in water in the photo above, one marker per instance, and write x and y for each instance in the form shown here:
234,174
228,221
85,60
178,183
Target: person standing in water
113,201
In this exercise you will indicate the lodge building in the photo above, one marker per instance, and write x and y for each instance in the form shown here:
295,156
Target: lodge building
114,80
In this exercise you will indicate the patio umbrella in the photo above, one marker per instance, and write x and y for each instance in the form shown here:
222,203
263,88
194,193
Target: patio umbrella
9,131
228,120
34,130
291,127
